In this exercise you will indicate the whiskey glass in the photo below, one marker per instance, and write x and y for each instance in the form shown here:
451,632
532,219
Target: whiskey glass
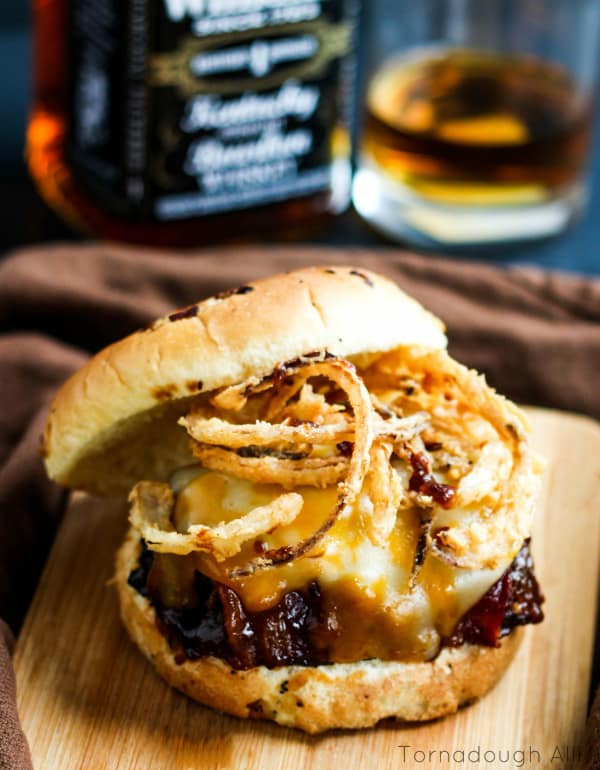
477,119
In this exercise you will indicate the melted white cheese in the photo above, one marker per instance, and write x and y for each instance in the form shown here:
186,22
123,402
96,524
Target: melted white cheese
374,579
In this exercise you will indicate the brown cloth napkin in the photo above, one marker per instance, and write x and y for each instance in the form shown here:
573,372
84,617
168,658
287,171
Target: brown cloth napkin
536,335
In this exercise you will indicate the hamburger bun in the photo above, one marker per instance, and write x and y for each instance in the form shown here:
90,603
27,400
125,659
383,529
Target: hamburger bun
126,400
118,421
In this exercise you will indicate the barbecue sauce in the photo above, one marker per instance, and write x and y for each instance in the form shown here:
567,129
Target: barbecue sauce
296,629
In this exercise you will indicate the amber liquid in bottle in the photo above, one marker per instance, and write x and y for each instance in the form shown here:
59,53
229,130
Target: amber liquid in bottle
52,169
474,129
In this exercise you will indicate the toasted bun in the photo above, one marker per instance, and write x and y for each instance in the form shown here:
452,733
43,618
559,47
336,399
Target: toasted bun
316,698
114,421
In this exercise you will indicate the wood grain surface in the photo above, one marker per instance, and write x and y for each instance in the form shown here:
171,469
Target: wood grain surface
89,700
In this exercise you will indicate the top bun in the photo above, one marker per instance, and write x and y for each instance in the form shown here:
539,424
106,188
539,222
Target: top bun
114,421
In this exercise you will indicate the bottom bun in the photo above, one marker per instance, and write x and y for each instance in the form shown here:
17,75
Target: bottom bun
316,698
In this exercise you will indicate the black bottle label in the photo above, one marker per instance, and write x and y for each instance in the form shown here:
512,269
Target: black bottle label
185,108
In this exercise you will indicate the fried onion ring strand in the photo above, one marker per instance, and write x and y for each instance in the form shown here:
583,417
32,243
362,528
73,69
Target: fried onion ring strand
222,433
311,471
150,513
344,375
217,432
501,499
385,492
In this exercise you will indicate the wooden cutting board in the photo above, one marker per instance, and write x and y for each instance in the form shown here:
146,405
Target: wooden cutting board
89,700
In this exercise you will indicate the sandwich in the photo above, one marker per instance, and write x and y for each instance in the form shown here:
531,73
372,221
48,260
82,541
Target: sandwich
330,518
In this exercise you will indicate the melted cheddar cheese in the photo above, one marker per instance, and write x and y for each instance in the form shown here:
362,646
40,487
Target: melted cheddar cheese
384,606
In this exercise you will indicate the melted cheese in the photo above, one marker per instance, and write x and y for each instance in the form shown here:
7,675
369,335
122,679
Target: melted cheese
373,586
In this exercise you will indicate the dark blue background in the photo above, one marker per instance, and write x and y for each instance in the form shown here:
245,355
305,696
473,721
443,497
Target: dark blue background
25,219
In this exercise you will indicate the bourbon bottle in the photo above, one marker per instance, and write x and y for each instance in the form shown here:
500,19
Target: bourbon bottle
182,122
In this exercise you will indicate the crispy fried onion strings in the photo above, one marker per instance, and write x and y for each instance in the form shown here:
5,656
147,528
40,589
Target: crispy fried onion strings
488,539
492,511
218,432
310,471
152,504
344,375
309,435
149,517
384,495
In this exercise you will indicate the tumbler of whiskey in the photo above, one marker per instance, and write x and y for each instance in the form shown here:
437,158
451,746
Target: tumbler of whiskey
477,119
